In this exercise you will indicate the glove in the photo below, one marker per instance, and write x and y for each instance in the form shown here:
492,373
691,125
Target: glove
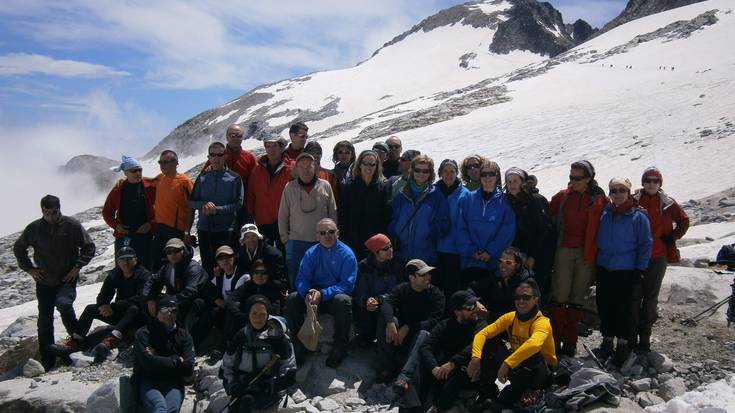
667,239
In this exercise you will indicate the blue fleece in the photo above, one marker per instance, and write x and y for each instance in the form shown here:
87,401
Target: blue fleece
485,225
331,271
450,242
418,237
624,241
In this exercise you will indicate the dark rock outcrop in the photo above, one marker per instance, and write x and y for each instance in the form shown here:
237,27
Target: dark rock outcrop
635,9
98,168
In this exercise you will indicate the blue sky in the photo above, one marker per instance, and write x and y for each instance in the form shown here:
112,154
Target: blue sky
107,77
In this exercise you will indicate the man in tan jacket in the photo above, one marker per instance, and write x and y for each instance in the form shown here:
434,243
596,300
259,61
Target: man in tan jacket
305,201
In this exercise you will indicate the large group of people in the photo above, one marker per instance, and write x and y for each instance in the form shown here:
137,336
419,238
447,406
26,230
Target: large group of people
436,274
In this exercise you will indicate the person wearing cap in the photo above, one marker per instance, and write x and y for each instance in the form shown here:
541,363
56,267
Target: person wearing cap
447,250
61,247
181,277
343,156
305,201
217,196
125,283
624,246
315,149
173,216
363,206
298,133
261,282
410,307
420,214
247,379
326,278
575,213
253,247
129,211
164,359
471,171
228,276
390,166
399,181
496,293
382,150
534,234
487,226
377,274
265,187
527,364
669,222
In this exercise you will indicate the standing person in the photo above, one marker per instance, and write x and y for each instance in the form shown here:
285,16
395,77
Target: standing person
471,171
326,278
253,247
533,227
305,201
575,213
315,149
487,226
129,211
173,215
377,274
448,252
265,188
382,150
669,223
164,358
298,132
395,146
343,157
624,247
420,214
218,196
399,181
363,203
61,247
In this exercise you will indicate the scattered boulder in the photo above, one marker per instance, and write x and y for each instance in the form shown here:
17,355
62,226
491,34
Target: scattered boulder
641,385
661,362
327,404
672,388
646,399
106,399
33,368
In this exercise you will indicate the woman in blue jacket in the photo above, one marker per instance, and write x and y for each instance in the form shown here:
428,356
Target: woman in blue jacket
487,226
448,258
420,214
623,249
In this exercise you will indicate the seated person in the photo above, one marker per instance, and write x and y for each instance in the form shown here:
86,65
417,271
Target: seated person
326,278
496,293
125,283
377,274
259,363
164,358
410,307
253,247
526,365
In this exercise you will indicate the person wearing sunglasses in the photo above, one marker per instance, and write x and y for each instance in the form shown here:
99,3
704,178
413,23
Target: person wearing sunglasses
129,211
391,165
343,156
363,206
398,181
575,213
669,222
526,365
164,359
61,247
326,278
487,225
305,201
470,171
315,149
253,248
298,133
217,197
624,246
377,274
420,214
496,293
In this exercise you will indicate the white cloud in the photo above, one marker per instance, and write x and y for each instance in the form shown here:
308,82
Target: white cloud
29,64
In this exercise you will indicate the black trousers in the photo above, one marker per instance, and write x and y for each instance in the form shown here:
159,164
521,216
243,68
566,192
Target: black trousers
531,374
392,357
208,244
340,307
271,235
125,317
448,275
616,291
161,235
473,274
141,243
366,322
62,298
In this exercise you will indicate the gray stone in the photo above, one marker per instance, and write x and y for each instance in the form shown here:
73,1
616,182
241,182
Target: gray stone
215,386
355,401
327,404
710,364
206,381
33,368
79,359
33,385
661,362
336,386
217,402
305,406
626,406
641,385
106,399
207,370
672,388
636,371
298,396
22,327
202,405
646,399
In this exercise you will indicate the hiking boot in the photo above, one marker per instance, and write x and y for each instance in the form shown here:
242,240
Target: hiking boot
605,350
622,352
100,353
110,342
338,353
400,387
644,344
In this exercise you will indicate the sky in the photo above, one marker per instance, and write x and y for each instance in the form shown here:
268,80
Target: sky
113,77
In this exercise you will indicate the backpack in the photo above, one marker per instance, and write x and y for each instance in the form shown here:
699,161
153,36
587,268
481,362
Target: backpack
727,253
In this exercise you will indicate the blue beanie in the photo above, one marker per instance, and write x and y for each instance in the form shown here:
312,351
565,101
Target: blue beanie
128,163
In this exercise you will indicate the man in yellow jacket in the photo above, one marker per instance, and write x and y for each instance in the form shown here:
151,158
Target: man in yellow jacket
526,365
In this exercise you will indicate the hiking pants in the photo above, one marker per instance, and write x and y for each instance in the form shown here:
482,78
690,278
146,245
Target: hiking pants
62,298
572,277
448,272
396,357
125,317
647,297
615,293
160,397
531,374
366,322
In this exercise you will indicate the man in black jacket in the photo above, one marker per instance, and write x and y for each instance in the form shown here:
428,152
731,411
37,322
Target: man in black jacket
411,307
125,283
164,358
61,247
497,293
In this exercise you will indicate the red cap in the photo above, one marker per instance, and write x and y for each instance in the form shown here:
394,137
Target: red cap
376,242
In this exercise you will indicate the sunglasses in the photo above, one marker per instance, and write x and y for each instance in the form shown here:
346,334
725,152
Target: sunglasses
386,248
330,232
216,155
381,150
507,262
394,146
488,174
523,297
473,166
576,178
619,191
472,307
371,165
235,135
172,251
651,181
260,272
167,311
421,171
165,162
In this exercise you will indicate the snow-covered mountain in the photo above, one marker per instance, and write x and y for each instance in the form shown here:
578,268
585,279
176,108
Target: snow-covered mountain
635,9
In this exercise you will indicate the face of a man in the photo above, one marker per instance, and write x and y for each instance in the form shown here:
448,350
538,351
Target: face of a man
226,262
385,253
466,314
507,266
217,158
344,155
305,169
235,135
250,241
448,175
651,184
327,234
167,318
174,255
395,147
51,215
127,265
260,275
473,169
168,164
420,282
298,139
272,150
578,179
524,299
134,176
258,316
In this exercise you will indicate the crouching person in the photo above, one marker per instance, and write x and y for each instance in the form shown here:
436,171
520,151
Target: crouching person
526,365
164,358
259,363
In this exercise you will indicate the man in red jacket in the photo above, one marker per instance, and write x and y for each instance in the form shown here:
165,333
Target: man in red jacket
669,223
264,189
129,211
298,132
575,212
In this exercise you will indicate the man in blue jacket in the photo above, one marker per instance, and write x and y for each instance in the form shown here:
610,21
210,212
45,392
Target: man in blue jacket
326,278
218,196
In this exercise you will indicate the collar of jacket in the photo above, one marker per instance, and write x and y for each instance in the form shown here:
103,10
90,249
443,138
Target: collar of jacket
666,201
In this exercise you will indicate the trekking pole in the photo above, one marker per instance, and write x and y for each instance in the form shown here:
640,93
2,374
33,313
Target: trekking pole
692,321
268,366
594,357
